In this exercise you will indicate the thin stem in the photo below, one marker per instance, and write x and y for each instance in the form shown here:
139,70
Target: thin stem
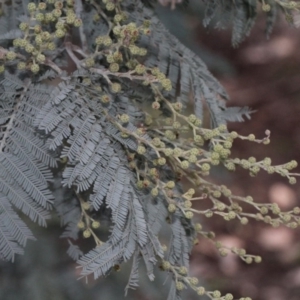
52,65
72,55
105,72
83,40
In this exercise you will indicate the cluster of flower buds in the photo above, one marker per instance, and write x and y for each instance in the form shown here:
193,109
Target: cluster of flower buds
86,223
175,141
288,7
193,158
29,50
179,142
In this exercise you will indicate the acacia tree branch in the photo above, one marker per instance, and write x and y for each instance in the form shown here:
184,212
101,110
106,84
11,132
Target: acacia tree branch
105,73
83,40
52,65
72,55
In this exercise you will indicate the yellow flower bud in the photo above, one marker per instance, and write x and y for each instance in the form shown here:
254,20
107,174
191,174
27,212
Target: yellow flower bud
10,55
21,65
172,208
34,68
114,67
95,224
87,233
80,224
31,7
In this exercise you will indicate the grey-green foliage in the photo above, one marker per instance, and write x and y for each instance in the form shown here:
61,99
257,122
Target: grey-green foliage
240,14
41,123
24,163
